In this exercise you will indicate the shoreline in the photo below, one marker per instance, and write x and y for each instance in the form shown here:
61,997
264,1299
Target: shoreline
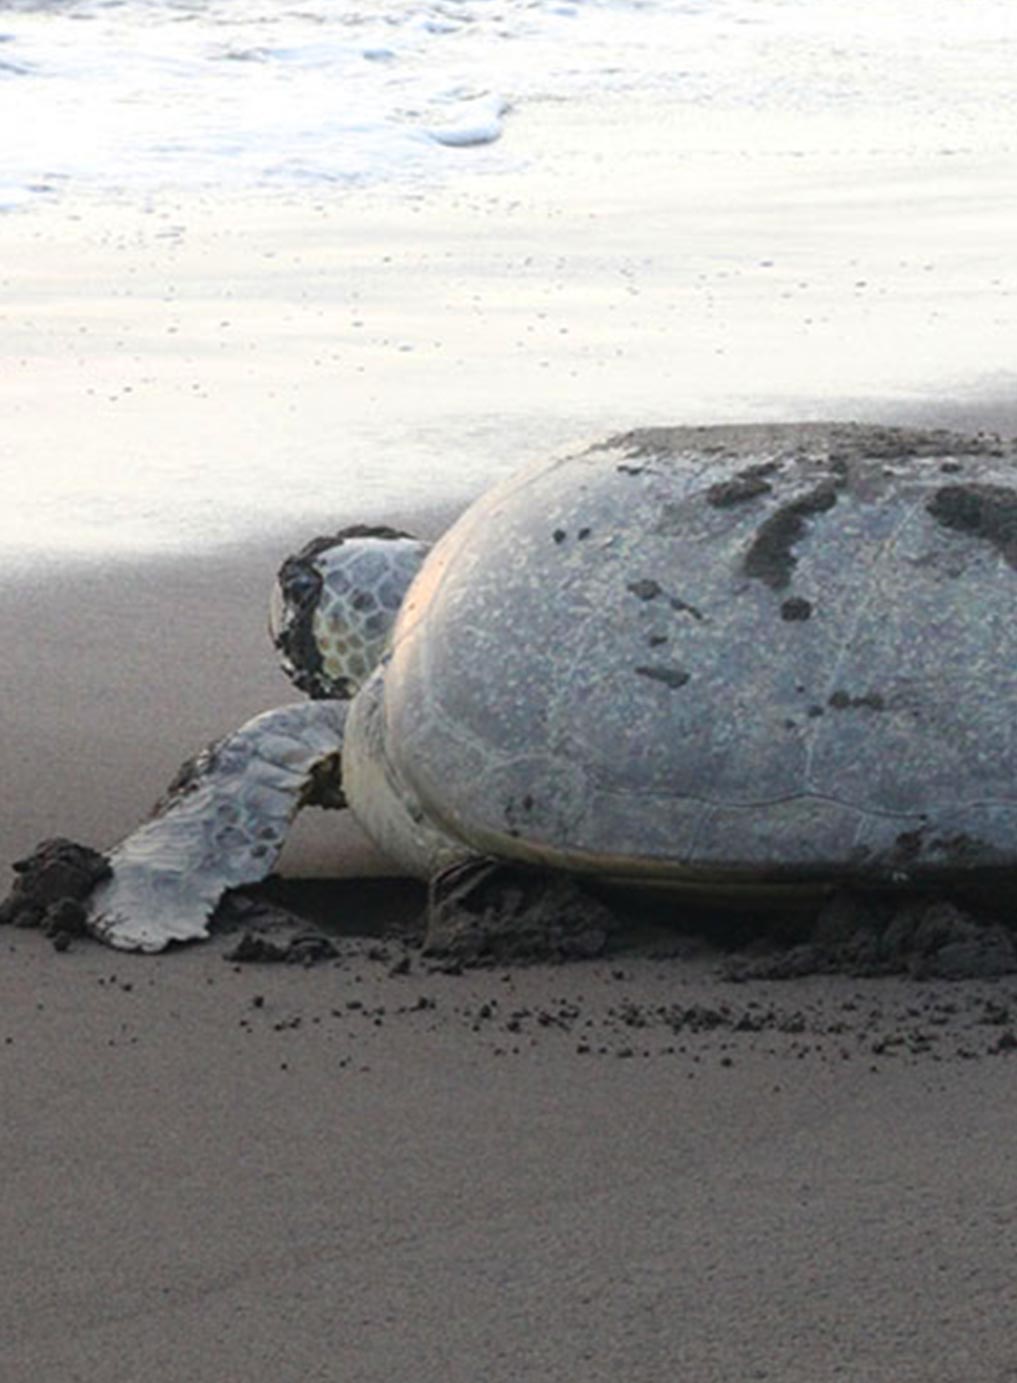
184,369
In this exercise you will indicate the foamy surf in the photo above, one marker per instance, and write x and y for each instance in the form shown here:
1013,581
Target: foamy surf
479,121
242,93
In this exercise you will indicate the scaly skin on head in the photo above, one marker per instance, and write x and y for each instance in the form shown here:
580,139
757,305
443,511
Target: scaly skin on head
335,603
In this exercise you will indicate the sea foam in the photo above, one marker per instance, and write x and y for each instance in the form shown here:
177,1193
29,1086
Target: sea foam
253,92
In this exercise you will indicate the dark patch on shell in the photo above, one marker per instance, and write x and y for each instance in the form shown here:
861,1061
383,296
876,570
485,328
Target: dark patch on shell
837,442
796,608
844,701
771,557
746,485
683,607
900,443
673,677
988,512
645,588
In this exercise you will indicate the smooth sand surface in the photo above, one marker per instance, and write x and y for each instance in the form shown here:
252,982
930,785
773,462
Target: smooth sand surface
278,1174
185,371
213,1174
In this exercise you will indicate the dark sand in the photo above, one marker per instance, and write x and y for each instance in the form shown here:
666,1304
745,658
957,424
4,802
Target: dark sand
280,1174
619,1169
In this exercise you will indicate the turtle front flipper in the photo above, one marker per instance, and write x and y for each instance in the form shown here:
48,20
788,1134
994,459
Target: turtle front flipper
220,824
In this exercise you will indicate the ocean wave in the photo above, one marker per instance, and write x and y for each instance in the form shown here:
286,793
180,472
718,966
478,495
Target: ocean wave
128,93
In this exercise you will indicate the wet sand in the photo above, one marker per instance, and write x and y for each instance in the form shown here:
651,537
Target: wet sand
618,1169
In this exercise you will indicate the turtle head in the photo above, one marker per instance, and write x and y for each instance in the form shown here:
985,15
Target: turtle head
334,605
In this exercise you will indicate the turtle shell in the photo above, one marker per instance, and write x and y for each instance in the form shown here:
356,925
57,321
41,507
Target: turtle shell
724,654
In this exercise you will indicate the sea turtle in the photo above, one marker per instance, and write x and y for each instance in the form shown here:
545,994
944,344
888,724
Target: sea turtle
727,659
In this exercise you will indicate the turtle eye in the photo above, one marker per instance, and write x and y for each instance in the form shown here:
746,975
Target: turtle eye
299,582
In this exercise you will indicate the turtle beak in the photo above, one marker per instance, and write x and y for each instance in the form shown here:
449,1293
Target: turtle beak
276,613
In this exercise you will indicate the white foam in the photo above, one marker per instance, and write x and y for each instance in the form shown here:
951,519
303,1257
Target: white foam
477,122
246,91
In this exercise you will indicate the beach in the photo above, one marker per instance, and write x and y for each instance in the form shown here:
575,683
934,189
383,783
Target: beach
340,1173
623,1168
